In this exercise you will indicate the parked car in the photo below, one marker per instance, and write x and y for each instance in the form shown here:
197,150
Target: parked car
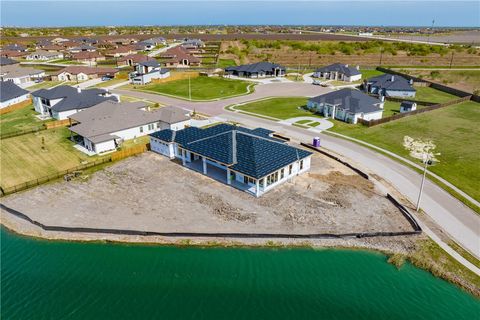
106,78
317,82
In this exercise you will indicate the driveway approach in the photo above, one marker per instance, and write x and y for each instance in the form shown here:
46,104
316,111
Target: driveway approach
460,222
216,107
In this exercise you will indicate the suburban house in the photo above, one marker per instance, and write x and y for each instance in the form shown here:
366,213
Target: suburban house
144,46
390,85
52,48
147,71
105,126
13,54
250,160
347,105
192,43
63,101
256,70
88,57
14,47
82,48
121,51
157,41
82,73
407,106
178,57
22,76
7,61
44,55
11,94
132,59
338,72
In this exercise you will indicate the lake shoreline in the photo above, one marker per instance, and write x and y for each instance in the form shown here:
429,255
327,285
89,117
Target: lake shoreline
397,250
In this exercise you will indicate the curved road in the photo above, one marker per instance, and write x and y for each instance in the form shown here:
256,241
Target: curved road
459,221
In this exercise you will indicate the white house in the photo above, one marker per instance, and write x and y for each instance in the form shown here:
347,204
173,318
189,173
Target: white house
250,160
22,76
407,106
11,94
347,105
105,126
82,73
390,85
44,55
146,71
338,72
63,101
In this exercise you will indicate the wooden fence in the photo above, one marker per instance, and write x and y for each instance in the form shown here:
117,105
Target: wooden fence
56,124
16,106
118,155
371,123
21,132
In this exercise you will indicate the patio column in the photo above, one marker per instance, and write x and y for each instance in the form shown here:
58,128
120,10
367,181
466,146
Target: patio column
204,161
228,177
257,189
183,157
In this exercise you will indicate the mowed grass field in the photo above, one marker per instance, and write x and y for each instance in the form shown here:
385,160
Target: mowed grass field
454,130
280,108
22,158
202,88
433,95
18,120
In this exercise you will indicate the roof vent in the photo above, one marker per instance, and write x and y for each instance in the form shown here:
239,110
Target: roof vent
346,66
393,78
357,67
234,146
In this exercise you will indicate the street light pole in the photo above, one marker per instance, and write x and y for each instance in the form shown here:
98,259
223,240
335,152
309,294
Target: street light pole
189,89
421,186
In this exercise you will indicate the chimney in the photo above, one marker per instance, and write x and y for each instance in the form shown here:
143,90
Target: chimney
79,90
358,67
234,146
393,78
411,82
346,66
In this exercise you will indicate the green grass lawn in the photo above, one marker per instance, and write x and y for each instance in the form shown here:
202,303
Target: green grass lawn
108,83
22,158
366,74
22,119
313,124
281,108
453,129
202,88
433,95
223,63
44,85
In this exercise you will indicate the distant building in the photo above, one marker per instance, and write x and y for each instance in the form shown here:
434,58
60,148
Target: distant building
82,73
63,101
105,126
192,43
257,70
7,61
83,48
121,51
22,76
88,57
132,60
14,47
338,72
250,160
390,85
147,71
407,106
347,105
11,94
44,55
179,57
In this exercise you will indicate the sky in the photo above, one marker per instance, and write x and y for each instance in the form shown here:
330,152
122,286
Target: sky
114,13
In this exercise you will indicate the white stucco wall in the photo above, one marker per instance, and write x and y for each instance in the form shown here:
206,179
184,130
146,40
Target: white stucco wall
10,102
105,146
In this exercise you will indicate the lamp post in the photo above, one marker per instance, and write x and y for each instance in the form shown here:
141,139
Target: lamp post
189,89
427,162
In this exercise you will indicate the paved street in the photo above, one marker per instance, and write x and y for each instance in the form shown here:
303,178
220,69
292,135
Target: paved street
454,217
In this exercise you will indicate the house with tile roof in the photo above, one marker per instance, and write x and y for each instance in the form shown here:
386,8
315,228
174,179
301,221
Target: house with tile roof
88,57
22,76
250,160
338,72
11,94
121,51
132,60
147,71
82,73
390,85
257,70
179,57
44,55
63,101
105,126
347,105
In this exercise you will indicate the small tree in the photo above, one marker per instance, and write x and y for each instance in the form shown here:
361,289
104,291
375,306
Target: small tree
43,143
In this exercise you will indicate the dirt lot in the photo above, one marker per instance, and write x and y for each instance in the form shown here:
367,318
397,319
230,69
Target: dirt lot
151,193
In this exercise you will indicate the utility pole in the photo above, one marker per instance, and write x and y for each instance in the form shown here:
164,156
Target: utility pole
451,60
431,31
189,89
427,162
381,55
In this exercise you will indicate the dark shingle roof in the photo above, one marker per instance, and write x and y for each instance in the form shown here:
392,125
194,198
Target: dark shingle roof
257,154
340,68
407,103
384,81
7,61
255,67
149,63
9,90
351,100
71,98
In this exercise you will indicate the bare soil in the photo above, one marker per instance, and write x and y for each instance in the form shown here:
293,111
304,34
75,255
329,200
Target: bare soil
152,193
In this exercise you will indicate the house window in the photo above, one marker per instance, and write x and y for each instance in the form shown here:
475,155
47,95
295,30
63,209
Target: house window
282,173
290,169
301,164
151,126
248,180
158,124
141,129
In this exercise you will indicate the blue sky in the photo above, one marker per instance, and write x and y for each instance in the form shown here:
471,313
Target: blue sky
114,12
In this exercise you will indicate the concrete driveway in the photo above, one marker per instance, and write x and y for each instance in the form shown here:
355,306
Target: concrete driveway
213,108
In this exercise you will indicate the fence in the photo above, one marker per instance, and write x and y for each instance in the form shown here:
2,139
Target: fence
58,123
118,155
21,132
16,106
371,123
